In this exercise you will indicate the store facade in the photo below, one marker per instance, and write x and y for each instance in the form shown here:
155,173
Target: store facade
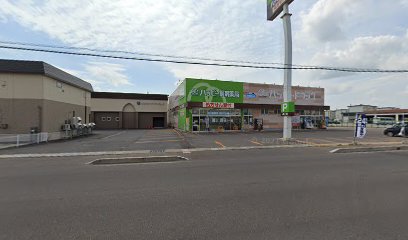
214,105
113,110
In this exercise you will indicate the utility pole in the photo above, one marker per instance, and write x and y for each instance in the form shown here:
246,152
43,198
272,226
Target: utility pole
287,84
274,8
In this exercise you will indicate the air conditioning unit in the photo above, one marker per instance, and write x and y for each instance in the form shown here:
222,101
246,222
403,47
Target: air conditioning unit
76,122
66,127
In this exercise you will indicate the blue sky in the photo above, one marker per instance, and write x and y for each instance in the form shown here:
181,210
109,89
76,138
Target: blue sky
365,33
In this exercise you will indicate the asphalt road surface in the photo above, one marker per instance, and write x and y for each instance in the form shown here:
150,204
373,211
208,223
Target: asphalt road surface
299,193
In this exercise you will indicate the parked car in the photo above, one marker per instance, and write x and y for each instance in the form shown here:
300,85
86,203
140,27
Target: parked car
395,129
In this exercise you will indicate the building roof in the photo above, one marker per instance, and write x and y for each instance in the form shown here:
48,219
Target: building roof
119,95
39,67
254,83
362,105
388,111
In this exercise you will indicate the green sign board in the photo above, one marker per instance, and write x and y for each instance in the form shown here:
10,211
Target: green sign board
288,107
200,90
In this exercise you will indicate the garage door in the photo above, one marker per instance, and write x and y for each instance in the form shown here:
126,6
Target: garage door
106,120
129,120
151,120
158,122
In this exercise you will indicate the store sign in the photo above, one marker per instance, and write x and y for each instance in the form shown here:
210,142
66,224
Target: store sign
273,94
288,107
275,7
217,105
214,93
201,90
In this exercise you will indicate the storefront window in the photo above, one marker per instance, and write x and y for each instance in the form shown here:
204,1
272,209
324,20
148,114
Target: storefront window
264,111
247,111
196,111
248,118
216,119
203,111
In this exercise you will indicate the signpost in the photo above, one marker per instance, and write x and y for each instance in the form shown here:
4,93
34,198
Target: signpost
274,8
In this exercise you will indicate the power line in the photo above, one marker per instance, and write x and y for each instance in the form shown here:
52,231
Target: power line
355,70
136,53
317,67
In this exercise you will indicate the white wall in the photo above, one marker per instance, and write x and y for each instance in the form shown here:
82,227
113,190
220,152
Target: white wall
116,105
21,86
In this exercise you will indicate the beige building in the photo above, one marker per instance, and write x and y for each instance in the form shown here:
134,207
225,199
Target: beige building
128,110
37,96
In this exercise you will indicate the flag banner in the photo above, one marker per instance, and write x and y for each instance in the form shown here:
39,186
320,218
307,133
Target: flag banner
361,126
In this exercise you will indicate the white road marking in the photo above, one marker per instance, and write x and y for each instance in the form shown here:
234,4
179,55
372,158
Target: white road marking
113,135
334,150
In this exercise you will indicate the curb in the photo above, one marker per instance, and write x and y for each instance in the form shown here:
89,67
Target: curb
190,150
184,151
370,149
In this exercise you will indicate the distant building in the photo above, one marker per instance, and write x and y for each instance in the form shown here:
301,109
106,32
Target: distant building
374,114
361,108
213,105
111,110
35,96
394,114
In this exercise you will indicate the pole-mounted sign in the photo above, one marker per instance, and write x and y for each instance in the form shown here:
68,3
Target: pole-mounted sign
288,108
275,7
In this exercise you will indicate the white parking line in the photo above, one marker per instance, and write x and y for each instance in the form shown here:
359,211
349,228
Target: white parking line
113,135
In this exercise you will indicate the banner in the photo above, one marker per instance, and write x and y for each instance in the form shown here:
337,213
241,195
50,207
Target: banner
217,105
361,126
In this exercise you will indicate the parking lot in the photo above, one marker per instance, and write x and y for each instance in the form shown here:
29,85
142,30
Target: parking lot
162,139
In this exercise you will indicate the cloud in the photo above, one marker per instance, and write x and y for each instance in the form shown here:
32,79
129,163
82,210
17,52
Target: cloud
364,33
205,28
327,19
107,73
102,75
382,52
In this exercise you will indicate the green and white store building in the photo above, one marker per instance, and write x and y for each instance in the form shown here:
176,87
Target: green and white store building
214,105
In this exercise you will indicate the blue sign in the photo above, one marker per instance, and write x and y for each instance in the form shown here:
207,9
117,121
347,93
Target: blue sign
250,95
361,126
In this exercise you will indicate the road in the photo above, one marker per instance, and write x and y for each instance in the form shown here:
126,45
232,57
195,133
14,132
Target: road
299,193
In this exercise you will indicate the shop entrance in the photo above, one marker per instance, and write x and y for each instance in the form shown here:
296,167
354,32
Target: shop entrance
209,119
310,121
158,122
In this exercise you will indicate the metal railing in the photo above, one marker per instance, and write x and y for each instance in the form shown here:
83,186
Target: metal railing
369,125
17,140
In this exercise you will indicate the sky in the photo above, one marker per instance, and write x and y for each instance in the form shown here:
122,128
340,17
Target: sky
358,34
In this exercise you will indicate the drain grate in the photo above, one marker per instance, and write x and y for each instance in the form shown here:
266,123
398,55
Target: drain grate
129,160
